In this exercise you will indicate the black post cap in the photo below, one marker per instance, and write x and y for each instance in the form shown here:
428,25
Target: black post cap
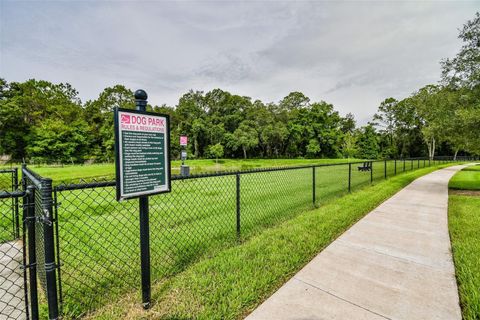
141,95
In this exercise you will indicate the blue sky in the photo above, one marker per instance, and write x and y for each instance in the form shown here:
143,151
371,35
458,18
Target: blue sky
351,54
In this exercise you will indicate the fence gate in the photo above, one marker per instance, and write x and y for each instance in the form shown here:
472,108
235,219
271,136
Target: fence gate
18,294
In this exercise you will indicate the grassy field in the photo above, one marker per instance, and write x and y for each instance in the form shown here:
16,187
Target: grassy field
231,283
107,171
464,225
98,236
467,179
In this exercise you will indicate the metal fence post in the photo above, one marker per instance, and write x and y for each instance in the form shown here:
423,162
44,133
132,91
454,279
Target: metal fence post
349,177
49,242
403,165
141,105
385,169
238,204
411,164
29,225
15,202
395,170
313,185
371,171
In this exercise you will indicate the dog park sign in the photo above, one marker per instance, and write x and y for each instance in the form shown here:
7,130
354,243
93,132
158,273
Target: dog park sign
142,153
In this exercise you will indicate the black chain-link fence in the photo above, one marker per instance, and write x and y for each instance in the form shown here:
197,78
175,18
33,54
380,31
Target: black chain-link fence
83,246
98,237
12,284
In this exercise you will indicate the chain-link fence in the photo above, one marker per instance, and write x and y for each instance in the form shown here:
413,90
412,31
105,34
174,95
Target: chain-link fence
83,247
98,237
12,284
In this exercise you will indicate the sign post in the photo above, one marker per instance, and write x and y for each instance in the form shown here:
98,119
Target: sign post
184,170
142,161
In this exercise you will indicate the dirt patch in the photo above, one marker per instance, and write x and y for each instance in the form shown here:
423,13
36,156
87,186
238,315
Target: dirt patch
473,193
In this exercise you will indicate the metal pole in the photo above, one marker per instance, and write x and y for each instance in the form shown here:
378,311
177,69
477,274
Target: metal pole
49,243
349,177
29,219
403,165
141,105
238,204
385,169
371,172
313,185
15,203
395,170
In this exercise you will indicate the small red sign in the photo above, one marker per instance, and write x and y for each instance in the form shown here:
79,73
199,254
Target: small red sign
183,140
125,118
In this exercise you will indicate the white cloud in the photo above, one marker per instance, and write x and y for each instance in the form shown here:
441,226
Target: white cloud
352,54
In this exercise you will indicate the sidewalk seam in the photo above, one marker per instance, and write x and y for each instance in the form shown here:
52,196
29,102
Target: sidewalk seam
340,298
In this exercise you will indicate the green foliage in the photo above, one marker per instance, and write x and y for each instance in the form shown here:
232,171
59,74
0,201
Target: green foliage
216,151
446,117
227,284
349,147
464,69
436,119
245,137
55,141
367,141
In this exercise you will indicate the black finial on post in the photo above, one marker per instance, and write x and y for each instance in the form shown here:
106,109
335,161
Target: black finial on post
141,100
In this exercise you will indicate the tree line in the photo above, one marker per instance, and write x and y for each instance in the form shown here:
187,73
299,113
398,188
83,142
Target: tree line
45,122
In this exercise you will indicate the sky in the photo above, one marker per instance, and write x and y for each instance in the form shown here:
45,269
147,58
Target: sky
351,54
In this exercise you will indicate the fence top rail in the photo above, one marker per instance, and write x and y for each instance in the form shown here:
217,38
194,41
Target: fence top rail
8,170
12,194
111,183
33,176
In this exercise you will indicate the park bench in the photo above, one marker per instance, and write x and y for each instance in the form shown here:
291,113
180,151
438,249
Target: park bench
367,166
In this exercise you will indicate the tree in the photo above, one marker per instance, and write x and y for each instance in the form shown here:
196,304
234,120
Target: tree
26,105
216,151
313,148
387,121
349,147
55,141
98,115
464,69
246,137
367,142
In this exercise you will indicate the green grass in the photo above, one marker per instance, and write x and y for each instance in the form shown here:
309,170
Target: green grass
467,179
98,237
229,283
107,171
464,226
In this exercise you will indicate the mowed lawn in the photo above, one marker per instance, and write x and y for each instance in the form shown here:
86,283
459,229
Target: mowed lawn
107,171
99,239
467,179
464,225
232,282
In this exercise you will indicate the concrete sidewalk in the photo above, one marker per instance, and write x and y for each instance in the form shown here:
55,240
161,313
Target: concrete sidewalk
395,263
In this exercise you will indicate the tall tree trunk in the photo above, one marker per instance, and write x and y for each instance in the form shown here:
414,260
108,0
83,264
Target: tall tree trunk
244,153
195,144
431,148
455,156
